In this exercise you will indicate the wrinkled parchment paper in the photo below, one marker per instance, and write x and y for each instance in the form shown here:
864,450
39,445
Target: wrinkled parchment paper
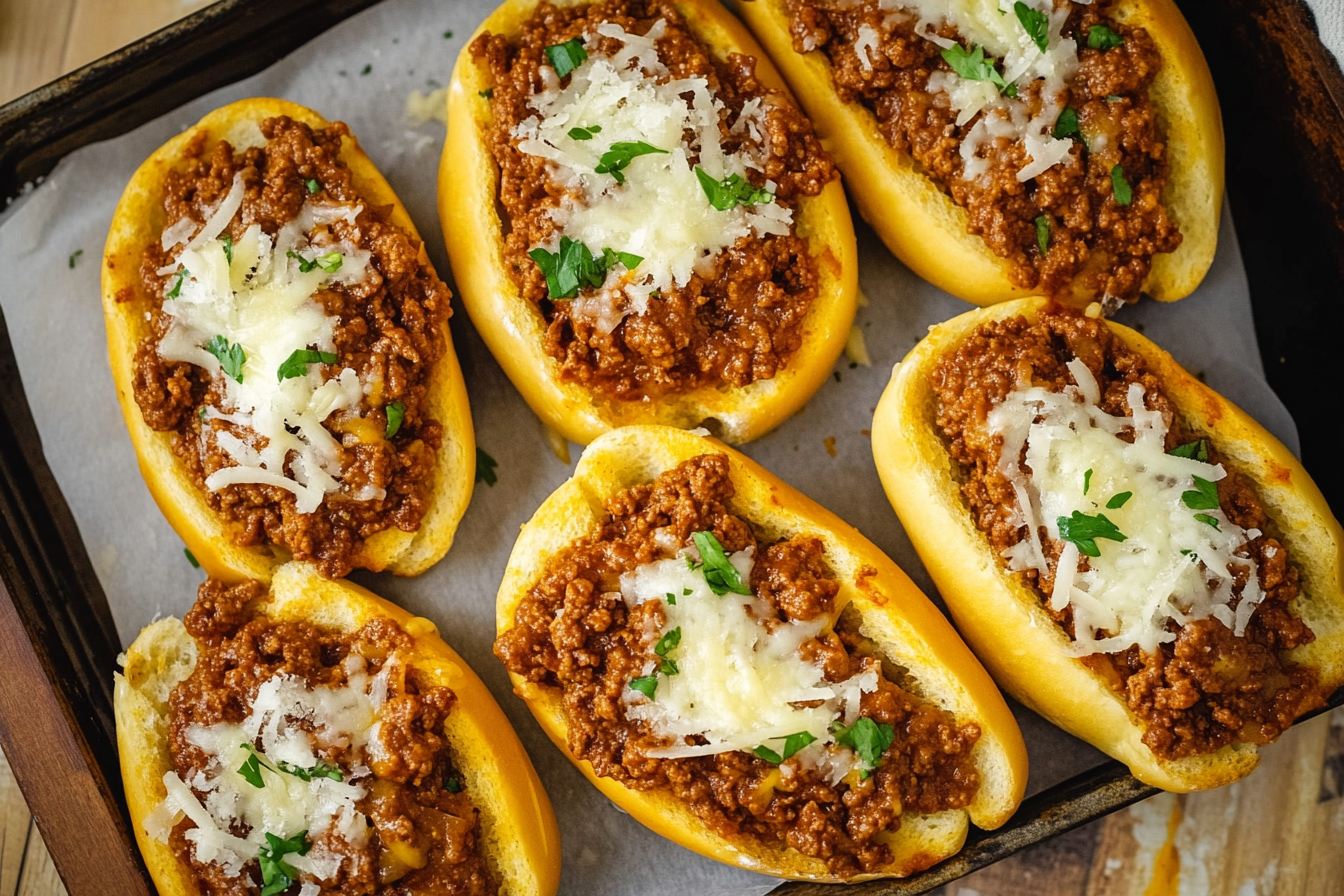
362,72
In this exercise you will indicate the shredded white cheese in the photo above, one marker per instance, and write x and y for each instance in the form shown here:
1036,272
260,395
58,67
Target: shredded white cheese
264,302
741,682
660,213
1171,567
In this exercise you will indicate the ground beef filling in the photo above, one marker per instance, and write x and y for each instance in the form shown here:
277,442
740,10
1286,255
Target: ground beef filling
574,632
416,796
1108,246
391,332
734,324
1206,689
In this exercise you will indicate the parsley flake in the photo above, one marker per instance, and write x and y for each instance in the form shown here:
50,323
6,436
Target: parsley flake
974,65
488,93
1066,125
191,558
1195,450
570,268
277,875
251,768
297,363
396,412
314,186
452,785
1087,481
646,685
366,69
616,159
1205,518
447,35
485,468
231,356
331,262
671,599
1035,23
323,769
867,738
666,644
1204,496
584,133
1099,37
731,191
1124,193
1083,531
610,256
226,242
567,56
182,275
1118,500
74,257
721,575
792,744
1043,233
769,755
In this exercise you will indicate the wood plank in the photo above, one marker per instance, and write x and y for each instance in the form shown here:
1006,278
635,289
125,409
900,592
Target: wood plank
39,874
32,43
97,27
15,826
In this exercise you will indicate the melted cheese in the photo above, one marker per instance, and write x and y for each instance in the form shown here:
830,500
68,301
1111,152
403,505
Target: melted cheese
291,723
263,301
740,678
1171,568
661,212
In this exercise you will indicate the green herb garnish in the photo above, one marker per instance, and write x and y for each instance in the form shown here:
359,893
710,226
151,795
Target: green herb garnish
1195,450
1083,531
226,242
488,93
231,356
610,256
732,190
792,744
665,645
646,685
452,785
584,133
74,256
251,768
867,738
1043,233
1036,24
191,558
570,268
331,262
671,599
366,69
297,363
396,412
1087,481
973,65
616,159
1204,496
1205,518
323,769
567,56
1099,37
485,467
721,575
1066,125
1124,194
1118,500
314,186
176,291
277,875
447,35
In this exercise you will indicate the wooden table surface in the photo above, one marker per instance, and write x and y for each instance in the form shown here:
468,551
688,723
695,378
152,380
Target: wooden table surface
1279,833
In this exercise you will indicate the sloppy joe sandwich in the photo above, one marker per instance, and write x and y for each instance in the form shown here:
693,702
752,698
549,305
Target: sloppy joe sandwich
1129,553
312,738
643,226
746,674
280,346
1004,149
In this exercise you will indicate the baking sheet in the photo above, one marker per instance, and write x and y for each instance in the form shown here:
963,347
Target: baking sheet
362,71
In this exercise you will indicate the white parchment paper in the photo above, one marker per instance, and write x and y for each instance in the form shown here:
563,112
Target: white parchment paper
50,299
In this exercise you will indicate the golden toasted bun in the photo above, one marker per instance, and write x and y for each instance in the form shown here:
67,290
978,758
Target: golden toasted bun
139,221
514,329
1005,620
892,613
519,838
928,231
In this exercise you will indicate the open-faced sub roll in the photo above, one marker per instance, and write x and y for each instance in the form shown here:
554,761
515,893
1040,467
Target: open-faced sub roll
309,737
1129,553
1005,149
746,674
641,223
279,343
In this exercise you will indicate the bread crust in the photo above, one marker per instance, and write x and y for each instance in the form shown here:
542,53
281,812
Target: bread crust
896,615
514,330
1004,619
923,227
518,831
139,220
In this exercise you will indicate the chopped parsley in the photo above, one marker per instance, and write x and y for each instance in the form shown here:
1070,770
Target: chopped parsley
191,558
452,785
277,875
973,65
396,412
1204,496
721,575
731,191
1195,450
226,242
867,738
1035,23
251,768
671,599
792,744
323,769
1043,233
1087,481
231,356
176,291
447,35
331,262
567,56
1083,531
1208,520
488,93
646,685
610,256
74,257
666,644
1118,500
1066,125
485,467
616,159
1099,37
314,186
575,266
297,363
584,133
366,69
1124,194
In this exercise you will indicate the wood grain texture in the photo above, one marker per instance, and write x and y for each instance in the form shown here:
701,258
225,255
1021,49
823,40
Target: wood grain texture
33,38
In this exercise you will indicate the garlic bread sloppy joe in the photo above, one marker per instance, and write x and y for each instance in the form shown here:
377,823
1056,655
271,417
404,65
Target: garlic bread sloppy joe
280,346
744,673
